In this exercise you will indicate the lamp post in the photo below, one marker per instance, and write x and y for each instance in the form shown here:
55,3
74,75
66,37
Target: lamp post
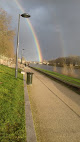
21,55
25,15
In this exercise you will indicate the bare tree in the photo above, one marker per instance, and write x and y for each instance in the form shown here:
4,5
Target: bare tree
6,35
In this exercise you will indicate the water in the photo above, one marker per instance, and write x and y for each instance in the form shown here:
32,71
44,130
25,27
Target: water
71,71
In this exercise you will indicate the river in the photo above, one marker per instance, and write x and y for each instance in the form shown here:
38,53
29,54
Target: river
63,70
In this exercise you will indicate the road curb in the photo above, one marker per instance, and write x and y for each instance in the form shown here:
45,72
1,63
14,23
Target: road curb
30,131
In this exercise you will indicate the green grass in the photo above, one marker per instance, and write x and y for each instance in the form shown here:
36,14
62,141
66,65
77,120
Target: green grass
65,78
12,112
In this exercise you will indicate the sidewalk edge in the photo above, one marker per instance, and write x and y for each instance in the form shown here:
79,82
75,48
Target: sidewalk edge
30,131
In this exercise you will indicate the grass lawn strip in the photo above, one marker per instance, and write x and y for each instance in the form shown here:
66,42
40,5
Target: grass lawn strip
75,79
65,78
12,112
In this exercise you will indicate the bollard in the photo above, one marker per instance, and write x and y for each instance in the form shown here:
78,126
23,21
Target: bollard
29,78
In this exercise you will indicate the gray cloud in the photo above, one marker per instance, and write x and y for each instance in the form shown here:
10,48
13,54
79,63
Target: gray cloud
56,23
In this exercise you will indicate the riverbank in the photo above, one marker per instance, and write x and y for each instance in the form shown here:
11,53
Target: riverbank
74,82
70,71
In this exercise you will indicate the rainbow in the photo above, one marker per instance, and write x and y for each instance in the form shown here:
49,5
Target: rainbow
33,33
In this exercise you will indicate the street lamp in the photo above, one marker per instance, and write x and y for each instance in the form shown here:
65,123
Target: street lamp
24,15
21,55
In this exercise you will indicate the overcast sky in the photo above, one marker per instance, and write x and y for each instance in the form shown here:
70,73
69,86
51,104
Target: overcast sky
56,24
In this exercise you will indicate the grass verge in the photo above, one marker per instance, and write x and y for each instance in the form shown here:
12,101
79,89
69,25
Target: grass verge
12,112
65,78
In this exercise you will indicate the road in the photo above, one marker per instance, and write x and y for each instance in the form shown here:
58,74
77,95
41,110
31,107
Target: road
55,109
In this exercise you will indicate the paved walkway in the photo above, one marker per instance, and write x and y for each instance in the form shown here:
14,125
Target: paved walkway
56,110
